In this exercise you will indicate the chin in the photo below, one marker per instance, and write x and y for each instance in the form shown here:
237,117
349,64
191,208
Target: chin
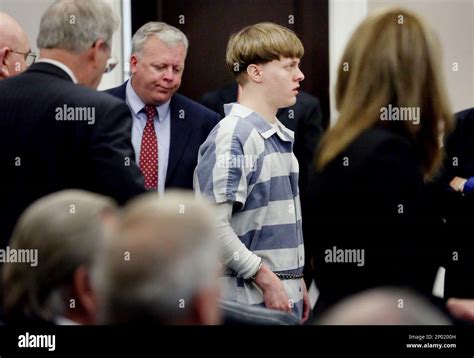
290,102
163,97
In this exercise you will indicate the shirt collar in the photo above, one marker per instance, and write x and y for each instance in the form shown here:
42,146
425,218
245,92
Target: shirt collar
63,321
61,65
263,127
136,104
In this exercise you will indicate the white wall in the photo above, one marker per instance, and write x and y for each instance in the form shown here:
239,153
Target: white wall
453,21
344,16
28,13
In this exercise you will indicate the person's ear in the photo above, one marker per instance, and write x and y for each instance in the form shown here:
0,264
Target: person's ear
4,73
255,73
96,50
84,293
206,307
133,63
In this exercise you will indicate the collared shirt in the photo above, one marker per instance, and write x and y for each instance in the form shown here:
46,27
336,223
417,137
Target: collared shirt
61,65
162,129
249,162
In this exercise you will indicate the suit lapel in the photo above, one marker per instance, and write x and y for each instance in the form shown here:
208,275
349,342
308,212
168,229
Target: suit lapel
180,131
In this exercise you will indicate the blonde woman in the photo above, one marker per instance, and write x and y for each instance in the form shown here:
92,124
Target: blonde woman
367,193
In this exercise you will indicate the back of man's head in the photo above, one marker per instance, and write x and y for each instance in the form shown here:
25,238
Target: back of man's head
78,33
384,306
60,236
164,266
74,25
14,47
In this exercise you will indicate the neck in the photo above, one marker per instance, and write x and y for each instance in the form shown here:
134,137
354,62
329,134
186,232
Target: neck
257,102
138,92
73,61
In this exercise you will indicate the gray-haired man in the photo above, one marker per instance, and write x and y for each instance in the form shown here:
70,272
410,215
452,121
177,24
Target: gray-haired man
167,128
55,134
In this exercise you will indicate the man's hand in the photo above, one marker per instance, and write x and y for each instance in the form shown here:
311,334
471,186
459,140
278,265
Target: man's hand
306,303
461,308
457,183
274,293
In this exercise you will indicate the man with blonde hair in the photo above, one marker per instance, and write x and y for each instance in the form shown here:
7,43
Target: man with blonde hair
247,167
163,266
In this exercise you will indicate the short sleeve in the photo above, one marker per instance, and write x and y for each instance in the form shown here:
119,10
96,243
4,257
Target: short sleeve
225,164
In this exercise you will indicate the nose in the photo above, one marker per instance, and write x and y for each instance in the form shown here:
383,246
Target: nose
299,75
168,73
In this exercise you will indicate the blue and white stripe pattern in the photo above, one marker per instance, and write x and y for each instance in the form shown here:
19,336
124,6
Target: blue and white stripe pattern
250,162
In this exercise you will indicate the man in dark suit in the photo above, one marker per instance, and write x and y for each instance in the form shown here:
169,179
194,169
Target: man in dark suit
167,128
56,134
304,118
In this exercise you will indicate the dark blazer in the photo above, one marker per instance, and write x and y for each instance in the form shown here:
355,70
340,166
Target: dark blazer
190,126
41,154
457,209
371,198
304,118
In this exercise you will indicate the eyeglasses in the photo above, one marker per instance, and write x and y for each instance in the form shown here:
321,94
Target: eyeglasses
111,64
30,57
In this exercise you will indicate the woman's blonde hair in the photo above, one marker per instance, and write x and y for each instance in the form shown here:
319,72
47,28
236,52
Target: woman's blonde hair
393,58
261,43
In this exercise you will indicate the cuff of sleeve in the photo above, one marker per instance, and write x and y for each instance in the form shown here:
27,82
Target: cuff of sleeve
469,186
246,267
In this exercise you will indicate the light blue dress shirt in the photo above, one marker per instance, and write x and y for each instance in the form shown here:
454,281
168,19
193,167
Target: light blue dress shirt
162,129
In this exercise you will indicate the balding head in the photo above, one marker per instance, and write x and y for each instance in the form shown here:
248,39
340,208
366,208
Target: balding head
13,39
384,306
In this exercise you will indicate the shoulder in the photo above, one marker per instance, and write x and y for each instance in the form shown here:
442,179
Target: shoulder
119,91
465,119
236,132
379,148
100,100
374,138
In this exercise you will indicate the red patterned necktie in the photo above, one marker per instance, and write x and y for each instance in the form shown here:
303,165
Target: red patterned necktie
149,150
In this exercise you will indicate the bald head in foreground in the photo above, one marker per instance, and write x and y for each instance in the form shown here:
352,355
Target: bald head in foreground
385,305
15,51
